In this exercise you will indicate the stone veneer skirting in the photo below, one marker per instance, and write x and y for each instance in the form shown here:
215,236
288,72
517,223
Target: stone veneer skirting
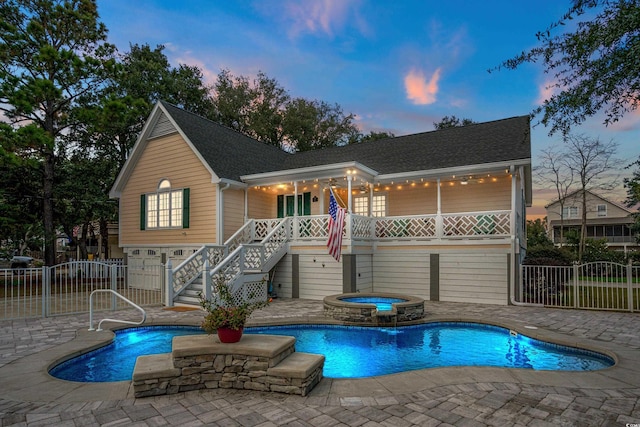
256,362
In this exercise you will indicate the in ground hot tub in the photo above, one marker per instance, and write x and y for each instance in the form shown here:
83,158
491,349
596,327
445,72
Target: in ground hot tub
374,308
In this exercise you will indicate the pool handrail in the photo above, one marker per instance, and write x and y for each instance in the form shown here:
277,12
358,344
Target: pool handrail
91,328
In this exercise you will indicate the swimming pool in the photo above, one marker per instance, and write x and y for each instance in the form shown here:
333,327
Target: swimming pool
356,352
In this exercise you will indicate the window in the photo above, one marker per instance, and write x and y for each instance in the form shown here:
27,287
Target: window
166,208
379,205
361,205
602,210
569,212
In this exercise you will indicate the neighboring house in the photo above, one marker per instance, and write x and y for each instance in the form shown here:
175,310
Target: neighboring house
605,220
440,214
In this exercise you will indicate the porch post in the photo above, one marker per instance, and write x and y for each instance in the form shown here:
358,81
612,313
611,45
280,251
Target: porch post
295,210
295,198
439,226
349,197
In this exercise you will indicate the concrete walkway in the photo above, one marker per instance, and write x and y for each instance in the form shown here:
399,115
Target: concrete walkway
444,396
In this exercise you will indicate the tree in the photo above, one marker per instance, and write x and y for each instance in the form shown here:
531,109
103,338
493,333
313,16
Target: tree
20,190
553,170
233,99
633,197
264,110
537,234
111,125
311,125
451,122
52,53
371,136
144,76
594,66
590,160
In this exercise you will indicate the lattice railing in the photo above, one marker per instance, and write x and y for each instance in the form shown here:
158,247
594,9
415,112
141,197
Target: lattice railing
244,235
407,227
251,292
360,227
477,224
312,227
276,240
265,226
187,271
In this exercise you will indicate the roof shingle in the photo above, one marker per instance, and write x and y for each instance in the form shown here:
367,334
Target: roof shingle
231,154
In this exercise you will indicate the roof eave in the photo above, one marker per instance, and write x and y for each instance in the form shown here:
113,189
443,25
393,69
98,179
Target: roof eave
451,171
327,171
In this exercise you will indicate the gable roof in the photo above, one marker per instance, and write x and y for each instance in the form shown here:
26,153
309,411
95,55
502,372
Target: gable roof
230,155
228,152
491,142
604,199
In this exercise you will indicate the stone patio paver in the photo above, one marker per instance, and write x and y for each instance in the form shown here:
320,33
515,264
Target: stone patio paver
434,397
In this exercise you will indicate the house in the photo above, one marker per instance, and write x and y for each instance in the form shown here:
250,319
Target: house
605,220
440,214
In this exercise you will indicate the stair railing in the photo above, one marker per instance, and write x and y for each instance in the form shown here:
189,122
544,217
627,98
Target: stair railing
191,268
128,322
251,258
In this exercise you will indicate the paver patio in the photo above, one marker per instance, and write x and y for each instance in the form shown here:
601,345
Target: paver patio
443,396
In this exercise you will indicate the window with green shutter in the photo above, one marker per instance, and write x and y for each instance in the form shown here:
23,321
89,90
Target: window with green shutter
166,208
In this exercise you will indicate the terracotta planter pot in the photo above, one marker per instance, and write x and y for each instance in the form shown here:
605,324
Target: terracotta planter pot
228,335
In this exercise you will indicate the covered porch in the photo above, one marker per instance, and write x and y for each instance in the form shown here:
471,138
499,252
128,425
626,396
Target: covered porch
432,208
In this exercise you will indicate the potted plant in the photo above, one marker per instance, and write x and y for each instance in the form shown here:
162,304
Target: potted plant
223,315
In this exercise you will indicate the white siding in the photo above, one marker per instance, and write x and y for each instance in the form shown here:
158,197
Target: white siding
402,272
282,278
364,273
474,277
320,276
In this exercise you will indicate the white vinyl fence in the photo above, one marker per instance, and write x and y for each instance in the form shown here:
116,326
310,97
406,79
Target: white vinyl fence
65,288
595,285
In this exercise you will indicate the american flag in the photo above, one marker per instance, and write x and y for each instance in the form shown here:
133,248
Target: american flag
336,224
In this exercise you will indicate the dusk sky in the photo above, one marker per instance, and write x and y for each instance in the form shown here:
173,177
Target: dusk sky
399,66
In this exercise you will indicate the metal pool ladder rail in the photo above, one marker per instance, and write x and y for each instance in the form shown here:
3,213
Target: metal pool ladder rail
140,309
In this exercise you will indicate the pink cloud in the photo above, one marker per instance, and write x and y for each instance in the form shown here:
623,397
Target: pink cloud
323,17
419,90
545,91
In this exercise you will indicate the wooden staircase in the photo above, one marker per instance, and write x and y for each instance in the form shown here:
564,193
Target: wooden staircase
242,262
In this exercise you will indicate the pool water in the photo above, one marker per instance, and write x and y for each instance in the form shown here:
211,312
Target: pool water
356,352
382,303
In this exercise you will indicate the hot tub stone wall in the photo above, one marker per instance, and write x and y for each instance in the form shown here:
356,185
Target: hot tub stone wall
362,313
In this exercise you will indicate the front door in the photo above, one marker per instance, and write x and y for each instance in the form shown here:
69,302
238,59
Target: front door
286,204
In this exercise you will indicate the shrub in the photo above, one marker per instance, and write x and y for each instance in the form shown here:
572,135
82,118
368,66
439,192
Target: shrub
544,255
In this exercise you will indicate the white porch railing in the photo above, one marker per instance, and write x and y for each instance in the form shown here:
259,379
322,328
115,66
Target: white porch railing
466,225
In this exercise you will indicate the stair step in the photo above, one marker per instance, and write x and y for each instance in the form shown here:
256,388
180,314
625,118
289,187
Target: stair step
184,299
297,365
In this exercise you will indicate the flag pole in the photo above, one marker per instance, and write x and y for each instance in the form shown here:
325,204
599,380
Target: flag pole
337,197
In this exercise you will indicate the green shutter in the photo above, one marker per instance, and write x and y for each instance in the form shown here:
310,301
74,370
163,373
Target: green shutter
185,208
143,211
307,204
280,206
